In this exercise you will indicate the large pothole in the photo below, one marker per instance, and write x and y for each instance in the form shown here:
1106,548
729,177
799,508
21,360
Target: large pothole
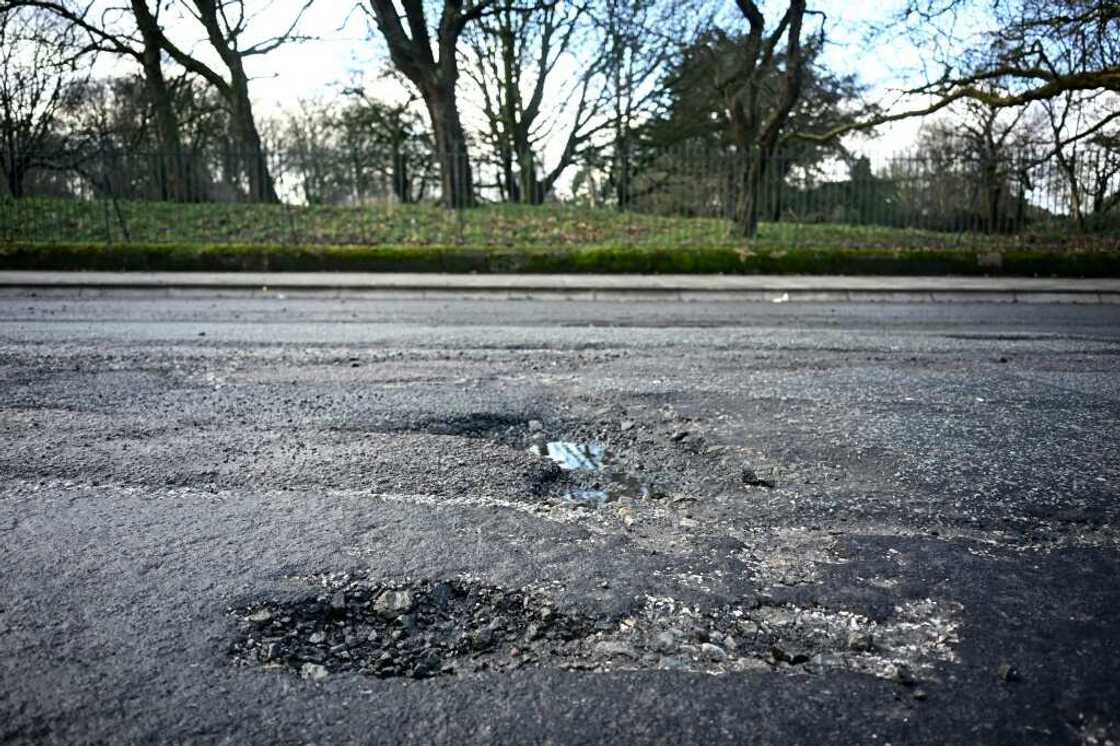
433,628
416,630
634,457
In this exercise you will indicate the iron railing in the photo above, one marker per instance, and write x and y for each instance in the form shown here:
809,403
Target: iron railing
679,196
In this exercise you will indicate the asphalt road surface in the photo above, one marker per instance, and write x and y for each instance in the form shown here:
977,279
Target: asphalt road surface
317,521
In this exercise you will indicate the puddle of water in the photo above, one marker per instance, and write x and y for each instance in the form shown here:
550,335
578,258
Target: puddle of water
597,483
577,456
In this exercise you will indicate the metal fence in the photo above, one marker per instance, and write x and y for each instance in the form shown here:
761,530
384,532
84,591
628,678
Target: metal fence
677,196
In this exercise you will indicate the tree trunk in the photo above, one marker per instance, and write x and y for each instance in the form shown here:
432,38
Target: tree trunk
173,177
622,178
510,187
531,189
456,180
15,182
758,142
749,196
1076,210
402,186
253,156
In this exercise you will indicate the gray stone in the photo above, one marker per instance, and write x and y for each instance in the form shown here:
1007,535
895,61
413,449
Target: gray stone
715,652
313,672
615,649
441,594
860,642
392,604
664,642
747,627
261,617
1007,672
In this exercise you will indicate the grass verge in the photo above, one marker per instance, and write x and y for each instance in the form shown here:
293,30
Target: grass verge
596,258
56,234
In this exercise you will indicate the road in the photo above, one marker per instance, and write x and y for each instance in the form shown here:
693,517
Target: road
302,520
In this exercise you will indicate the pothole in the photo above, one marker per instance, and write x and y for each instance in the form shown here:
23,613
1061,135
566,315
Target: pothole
608,456
476,425
447,627
592,475
413,630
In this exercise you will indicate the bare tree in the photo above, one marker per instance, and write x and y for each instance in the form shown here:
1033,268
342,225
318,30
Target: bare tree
513,57
1031,51
389,138
1104,173
132,30
435,73
993,141
40,73
639,39
225,23
1076,119
742,80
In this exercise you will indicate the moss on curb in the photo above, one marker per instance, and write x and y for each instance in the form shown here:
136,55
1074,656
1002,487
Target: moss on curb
607,258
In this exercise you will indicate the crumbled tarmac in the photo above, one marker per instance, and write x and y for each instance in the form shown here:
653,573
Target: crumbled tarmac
432,628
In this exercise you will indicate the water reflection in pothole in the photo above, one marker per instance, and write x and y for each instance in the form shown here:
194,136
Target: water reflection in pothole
594,479
577,456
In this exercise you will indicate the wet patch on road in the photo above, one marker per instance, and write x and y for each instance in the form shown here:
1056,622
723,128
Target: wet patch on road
461,626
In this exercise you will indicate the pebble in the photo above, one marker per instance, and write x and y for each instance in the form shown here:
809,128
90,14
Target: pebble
665,642
440,595
626,425
260,617
535,426
615,649
313,672
747,627
392,604
861,642
715,652
1007,672
338,601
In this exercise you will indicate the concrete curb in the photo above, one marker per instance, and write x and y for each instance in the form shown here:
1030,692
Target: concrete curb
748,288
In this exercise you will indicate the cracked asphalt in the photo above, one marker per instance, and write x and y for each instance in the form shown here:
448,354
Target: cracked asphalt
308,520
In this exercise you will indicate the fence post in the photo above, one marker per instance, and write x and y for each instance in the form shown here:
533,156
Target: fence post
460,191
105,197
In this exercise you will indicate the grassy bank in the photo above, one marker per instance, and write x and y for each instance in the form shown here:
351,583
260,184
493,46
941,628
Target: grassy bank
599,258
60,234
